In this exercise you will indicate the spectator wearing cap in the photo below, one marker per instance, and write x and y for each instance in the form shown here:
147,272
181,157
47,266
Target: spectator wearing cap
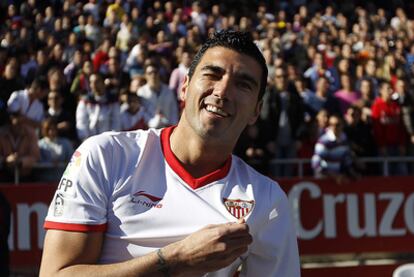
98,111
28,103
159,98
18,146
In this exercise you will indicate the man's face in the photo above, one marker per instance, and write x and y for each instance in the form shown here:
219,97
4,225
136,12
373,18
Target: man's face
335,125
151,75
36,92
366,88
370,68
96,84
54,100
385,92
400,87
322,85
280,79
222,96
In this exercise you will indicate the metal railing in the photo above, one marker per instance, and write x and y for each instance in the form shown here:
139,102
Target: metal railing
53,172
385,163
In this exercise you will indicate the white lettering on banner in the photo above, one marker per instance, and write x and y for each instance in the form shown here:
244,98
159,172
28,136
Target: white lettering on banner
295,198
396,200
409,213
329,212
328,220
353,220
11,234
23,226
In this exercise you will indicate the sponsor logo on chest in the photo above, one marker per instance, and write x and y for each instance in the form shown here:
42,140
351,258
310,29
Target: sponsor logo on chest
147,200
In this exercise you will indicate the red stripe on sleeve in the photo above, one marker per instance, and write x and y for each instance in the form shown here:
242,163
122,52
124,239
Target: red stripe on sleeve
75,227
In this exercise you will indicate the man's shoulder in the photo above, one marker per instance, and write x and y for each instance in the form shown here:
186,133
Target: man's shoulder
122,138
118,148
20,93
251,175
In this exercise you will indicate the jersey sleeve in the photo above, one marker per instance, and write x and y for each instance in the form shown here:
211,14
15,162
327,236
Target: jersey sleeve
13,104
80,201
275,251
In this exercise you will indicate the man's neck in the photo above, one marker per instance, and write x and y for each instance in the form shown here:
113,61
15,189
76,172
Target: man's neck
197,156
321,94
156,87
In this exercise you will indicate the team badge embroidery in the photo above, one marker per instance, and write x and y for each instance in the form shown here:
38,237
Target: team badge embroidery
239,208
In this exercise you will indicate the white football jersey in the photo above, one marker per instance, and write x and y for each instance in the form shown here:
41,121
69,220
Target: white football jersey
131,186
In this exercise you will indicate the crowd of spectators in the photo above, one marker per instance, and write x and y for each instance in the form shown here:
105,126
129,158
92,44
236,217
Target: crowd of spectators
340,82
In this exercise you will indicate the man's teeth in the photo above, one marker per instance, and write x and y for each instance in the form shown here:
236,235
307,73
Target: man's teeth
216,110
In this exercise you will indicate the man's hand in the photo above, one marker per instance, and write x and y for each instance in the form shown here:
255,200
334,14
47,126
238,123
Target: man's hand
12,159
69,253
209,249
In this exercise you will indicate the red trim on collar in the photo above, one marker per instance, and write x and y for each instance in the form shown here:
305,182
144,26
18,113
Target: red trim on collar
179,169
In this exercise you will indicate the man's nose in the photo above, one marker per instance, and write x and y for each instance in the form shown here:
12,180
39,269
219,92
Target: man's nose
222,88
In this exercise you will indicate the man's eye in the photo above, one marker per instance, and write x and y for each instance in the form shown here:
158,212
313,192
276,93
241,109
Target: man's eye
245,85
211,76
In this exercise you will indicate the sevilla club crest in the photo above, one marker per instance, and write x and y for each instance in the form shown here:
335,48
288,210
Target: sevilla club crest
239,208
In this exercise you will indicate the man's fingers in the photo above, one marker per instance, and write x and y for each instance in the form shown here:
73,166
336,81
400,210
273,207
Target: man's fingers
235,230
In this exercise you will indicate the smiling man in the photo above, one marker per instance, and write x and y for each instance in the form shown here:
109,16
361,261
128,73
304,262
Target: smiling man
175,201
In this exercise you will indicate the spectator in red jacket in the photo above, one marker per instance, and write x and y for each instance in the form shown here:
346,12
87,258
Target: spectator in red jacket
388,127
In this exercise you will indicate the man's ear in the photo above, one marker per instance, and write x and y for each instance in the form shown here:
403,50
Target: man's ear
257,110
184,88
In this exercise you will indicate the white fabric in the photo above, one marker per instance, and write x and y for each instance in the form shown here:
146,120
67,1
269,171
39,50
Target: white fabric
19,102
109,171
96,118
164,102
129,120
406,270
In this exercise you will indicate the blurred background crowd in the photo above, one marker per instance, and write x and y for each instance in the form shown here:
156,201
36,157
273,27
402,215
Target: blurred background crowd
340,83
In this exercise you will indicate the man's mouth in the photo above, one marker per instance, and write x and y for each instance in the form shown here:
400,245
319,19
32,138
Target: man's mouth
216,110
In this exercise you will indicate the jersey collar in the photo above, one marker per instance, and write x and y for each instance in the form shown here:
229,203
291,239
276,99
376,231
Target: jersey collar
179,169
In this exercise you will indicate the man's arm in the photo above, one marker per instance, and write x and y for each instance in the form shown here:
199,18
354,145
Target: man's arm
209,249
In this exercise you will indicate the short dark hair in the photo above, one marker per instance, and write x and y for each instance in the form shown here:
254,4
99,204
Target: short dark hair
241,42
40,82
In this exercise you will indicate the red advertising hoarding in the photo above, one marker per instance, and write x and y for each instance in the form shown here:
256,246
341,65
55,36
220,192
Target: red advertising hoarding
368,215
